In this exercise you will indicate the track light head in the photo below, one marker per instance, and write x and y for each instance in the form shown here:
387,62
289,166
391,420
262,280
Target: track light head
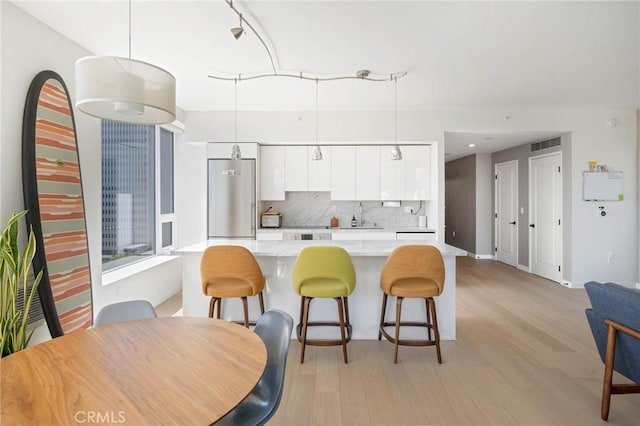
237,31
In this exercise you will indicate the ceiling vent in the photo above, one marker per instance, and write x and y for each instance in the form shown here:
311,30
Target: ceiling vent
537,146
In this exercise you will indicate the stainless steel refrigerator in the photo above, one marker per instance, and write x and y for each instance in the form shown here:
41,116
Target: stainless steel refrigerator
231,198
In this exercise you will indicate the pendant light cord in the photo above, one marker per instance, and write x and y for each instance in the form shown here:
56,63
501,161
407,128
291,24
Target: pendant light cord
316,111
129,29
395,82
235,111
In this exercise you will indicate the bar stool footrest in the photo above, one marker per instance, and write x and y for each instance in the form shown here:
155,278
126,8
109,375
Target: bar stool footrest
323,342
407,342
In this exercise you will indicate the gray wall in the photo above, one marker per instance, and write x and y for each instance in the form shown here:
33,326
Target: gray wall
484,205
522,154
460,203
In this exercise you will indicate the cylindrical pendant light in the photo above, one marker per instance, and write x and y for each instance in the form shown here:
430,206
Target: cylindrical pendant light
124,89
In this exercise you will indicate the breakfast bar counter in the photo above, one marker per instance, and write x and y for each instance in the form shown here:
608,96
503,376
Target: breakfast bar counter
276,258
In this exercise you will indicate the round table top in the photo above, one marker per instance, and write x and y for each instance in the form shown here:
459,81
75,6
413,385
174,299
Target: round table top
170,370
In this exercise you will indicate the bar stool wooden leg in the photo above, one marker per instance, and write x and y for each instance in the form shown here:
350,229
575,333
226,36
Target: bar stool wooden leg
211,306
342,329
426,303
246,311
395,343
261,302
384,308
306,302
346,310
219,307
436,333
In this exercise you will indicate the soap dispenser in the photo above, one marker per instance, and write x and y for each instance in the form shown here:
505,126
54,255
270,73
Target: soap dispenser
353,221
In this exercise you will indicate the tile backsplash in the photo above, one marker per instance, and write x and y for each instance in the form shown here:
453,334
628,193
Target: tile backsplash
314,209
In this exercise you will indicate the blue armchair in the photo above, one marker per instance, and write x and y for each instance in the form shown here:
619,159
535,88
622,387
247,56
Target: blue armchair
615,323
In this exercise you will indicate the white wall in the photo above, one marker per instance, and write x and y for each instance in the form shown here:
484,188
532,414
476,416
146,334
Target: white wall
592,239
28,47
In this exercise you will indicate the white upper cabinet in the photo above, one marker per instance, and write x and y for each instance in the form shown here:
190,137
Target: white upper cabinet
392,174
367,172
296,168
406,179
343,172
417,172
304,174
319,176
272,173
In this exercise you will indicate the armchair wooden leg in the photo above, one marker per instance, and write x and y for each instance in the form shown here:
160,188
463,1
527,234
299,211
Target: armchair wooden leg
608,373
261,302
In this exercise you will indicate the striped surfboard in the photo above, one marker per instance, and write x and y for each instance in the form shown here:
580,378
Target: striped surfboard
53,197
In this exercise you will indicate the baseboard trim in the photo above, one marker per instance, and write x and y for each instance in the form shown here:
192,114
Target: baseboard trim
524,268
483,256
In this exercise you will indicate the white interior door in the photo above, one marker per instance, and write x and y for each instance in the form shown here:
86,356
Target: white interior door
545,213
506,212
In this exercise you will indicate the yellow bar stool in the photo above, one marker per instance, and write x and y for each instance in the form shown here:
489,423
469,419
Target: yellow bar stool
231,271
324,272
414,271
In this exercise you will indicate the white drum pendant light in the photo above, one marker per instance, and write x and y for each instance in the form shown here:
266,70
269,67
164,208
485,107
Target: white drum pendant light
124,89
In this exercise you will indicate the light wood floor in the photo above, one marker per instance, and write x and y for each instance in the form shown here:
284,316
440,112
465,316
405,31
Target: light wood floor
524,356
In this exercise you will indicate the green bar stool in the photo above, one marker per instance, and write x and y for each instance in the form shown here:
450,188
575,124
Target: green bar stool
327,272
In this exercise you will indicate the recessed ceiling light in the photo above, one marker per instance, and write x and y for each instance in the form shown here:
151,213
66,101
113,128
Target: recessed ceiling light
471,145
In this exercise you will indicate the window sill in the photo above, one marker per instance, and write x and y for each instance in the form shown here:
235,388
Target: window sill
119,274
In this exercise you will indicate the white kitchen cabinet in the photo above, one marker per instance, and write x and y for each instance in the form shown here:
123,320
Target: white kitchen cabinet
272,173
343,172
417,172
367,172
319,171
269,235
421,236
362,234
392,175
296,168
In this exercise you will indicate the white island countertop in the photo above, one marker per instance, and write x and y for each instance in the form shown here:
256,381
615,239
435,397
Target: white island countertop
277,260
288,248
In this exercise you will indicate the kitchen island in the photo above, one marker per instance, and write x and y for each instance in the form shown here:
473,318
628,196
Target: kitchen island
276,258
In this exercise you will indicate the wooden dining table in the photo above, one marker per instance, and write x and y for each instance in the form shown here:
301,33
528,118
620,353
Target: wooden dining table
161,371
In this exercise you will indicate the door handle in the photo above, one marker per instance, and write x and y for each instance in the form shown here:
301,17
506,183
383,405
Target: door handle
512,223
532,225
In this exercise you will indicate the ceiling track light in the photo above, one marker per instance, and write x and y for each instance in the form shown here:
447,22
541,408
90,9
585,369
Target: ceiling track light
124,89
362,74
237,31
396,154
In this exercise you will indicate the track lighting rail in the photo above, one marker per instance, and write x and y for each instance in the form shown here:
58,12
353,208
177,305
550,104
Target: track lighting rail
359,75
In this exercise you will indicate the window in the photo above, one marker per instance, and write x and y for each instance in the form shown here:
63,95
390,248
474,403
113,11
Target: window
137,196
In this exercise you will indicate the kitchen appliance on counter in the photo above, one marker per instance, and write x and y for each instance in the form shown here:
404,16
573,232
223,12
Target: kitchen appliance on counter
271,218
231,198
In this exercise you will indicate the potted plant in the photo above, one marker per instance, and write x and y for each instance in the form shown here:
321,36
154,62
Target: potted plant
14,279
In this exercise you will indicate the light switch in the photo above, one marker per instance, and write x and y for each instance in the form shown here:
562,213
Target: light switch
521,210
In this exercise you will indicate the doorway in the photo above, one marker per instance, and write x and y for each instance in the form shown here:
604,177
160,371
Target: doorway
545,216
506,212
